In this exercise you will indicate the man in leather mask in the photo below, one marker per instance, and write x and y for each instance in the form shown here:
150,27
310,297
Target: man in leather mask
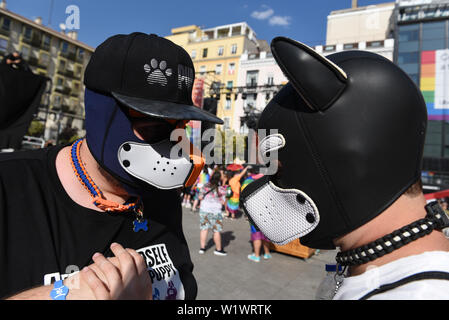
108,203
351,129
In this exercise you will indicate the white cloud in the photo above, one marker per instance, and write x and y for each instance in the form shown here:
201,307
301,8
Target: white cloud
266,13
262,15
279,21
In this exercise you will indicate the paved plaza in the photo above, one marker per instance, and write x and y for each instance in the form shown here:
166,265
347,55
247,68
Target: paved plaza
234,277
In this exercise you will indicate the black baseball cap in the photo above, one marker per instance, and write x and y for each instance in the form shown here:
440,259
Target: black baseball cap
147,73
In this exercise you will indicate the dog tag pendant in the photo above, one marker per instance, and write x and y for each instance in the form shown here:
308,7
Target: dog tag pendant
140,223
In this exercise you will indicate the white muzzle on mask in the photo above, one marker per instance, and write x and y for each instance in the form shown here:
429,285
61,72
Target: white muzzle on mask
282,215
153,164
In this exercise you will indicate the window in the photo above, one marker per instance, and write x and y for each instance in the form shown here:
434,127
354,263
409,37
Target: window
433,36
25,51
27,32
270,80
57,101
229,84
220,50
409,34
44,59
227,104
408,57
59,82
76,87
251,78
78,71
202,70
218,68
205,53
81,53
408,38
61,66
234,49
410,68
250,101
375,44
6,25
46,41
329,48
3,45
193,55
64,47
349,46
227,122
411,46
72,49
231,68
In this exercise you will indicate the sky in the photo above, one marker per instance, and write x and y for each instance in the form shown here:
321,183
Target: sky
302,20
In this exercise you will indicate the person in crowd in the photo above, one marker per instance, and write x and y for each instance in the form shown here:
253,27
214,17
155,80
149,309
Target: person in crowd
197,187
186,197
93,205
350,139
15,61
212,197
258,239
233,203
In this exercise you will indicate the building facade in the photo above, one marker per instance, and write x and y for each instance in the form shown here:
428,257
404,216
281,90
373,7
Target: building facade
60,57
360,24
259,79
383,47
216,53
422,51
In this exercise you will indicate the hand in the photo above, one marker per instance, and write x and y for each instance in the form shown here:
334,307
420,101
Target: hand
123,277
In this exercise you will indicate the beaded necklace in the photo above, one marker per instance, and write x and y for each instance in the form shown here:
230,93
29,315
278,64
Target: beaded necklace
98,198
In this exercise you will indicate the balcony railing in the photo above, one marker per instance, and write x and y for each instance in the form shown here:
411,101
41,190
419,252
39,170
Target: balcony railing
69,55
35,40
63,90
5,32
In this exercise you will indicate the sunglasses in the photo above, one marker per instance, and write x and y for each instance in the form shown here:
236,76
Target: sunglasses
151,129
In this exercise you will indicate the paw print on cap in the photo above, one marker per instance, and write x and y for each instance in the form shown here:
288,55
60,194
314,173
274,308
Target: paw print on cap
157,72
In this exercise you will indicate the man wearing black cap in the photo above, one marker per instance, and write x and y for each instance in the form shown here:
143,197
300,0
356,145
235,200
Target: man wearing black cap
351,131
115,189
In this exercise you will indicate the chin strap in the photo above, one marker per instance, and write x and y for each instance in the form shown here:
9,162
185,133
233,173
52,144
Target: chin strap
436,219
134,205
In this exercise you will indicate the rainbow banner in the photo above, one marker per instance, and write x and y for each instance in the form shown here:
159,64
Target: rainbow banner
434,83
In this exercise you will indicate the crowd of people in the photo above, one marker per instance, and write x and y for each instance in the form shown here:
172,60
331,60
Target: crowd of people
215,196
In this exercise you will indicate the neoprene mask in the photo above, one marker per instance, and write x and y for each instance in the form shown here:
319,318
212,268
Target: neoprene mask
134,162
353,126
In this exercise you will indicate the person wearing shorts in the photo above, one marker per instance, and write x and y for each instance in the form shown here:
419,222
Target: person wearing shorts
212,197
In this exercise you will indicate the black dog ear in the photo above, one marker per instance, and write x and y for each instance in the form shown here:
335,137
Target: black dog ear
317,79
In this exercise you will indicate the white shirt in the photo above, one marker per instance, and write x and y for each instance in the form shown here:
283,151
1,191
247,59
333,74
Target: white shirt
358,286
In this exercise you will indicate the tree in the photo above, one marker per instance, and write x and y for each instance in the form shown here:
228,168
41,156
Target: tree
36,129
68,135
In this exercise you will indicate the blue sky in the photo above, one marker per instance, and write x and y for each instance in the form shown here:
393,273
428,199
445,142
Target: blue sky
301,20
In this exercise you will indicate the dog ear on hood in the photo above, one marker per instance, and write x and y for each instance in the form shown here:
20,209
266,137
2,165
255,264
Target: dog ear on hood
316,79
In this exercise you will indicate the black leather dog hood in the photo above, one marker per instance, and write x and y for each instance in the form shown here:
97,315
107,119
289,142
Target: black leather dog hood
354,126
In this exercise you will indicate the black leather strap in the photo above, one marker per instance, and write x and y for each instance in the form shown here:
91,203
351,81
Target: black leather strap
430,275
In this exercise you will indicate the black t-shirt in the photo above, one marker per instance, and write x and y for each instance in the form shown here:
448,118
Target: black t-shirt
45,235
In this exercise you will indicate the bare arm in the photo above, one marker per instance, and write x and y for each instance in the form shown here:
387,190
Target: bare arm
124,276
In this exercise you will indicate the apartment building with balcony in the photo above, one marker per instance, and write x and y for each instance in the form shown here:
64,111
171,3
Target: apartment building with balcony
216,53
57,55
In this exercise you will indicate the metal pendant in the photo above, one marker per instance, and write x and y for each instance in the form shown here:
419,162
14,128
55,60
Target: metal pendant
140,223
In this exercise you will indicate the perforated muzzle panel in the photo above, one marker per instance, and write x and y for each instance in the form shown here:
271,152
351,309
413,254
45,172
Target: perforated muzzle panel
282,215
152,164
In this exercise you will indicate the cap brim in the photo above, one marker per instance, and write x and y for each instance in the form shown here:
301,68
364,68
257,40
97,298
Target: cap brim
166,110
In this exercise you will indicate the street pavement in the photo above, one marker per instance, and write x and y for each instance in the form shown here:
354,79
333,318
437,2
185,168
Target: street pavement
234,277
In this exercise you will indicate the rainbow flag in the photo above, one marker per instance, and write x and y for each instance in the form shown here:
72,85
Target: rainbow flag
247,182
434,83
